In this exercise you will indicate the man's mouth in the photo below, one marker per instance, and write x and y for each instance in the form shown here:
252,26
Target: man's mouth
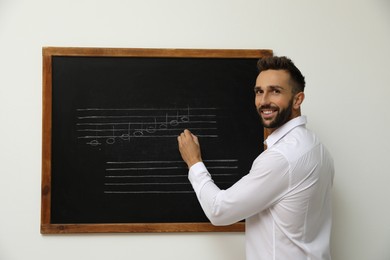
268,113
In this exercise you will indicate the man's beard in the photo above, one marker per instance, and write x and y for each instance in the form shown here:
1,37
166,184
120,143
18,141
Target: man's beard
281,118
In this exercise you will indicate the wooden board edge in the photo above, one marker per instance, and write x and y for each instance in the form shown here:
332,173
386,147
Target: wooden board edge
151,52
139,228
46,139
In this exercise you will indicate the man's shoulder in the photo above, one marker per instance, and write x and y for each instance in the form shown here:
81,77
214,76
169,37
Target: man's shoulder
297,142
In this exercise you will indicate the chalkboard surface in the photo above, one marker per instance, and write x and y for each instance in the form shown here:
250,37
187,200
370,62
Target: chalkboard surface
110,127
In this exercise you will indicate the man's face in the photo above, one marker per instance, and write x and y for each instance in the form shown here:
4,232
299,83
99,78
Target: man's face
274,99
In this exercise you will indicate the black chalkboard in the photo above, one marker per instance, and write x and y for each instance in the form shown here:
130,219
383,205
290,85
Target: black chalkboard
112,116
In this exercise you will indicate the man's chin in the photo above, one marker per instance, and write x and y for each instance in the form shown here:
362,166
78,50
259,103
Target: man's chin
267,124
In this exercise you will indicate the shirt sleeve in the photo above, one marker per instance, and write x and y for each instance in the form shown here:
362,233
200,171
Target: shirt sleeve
266,183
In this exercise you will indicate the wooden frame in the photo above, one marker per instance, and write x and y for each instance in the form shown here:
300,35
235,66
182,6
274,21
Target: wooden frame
48,52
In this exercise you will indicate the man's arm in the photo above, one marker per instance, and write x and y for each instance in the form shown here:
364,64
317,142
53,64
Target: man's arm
266,182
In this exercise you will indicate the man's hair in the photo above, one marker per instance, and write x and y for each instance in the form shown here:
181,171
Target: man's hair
284,63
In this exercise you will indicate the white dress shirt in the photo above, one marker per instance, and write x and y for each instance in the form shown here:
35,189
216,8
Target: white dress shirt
285,198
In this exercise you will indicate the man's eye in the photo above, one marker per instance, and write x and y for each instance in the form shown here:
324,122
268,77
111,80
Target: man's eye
258,91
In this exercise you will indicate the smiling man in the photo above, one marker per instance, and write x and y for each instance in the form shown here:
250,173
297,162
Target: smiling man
286,197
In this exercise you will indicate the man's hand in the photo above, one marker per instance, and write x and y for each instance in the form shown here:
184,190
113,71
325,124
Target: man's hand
189,148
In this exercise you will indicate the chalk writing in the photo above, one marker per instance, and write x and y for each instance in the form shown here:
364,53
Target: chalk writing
161,176
98,126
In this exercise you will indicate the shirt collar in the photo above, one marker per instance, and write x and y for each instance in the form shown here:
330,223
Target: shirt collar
284,129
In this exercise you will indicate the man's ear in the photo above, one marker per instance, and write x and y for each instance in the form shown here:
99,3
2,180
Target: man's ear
298,99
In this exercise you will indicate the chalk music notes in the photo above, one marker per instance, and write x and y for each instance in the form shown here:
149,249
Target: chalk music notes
103,126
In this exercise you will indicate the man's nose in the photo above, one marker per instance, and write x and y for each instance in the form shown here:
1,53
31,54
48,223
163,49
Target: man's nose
264,99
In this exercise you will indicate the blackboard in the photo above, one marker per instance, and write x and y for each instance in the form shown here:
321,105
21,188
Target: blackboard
110,121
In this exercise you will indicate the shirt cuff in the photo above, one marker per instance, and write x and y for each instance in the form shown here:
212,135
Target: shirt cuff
198,176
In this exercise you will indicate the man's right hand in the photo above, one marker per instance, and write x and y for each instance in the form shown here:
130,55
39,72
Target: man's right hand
189,148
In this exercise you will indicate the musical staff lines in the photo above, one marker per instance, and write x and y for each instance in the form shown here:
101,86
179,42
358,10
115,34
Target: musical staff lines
158,177
98,126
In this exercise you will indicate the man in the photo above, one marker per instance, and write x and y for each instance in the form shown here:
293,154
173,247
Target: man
286,197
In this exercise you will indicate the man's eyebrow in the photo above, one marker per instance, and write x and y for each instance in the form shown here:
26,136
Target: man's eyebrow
272,87
275,87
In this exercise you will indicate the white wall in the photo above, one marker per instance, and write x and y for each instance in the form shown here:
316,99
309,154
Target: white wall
341,46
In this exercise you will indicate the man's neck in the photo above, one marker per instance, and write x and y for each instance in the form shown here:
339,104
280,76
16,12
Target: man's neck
269,131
